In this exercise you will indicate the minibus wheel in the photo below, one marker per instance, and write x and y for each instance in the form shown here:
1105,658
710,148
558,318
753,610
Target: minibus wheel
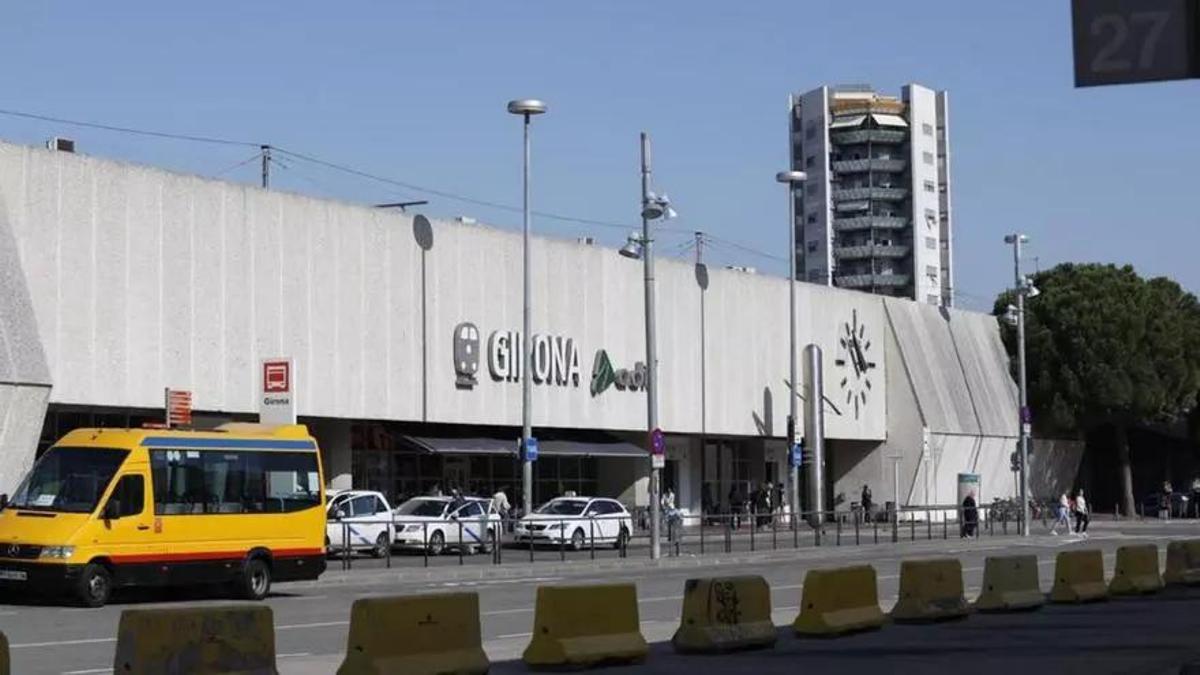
94,585
255,583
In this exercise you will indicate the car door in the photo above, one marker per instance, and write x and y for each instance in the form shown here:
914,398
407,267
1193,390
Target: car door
127,531
382,519
334,529
610,522
361,521
464,524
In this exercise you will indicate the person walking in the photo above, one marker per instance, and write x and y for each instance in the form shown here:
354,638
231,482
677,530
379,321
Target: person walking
1081,514
735,507
866,503
1062,515
970,517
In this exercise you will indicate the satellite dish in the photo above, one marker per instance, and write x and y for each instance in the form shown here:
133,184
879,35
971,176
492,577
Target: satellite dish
423,232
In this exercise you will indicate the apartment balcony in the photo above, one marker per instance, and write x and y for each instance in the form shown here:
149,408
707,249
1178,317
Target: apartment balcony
870,251
865,165
860,223
871,280
859,136
876,193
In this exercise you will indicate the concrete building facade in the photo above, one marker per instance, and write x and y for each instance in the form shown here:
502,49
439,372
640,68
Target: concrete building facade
875,213
122,280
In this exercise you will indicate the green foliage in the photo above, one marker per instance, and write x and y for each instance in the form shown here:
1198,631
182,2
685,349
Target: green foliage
1105,346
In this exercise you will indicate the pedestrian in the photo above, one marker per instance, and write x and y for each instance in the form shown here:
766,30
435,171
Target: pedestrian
866,503
777,501
500,501
735,507
1196,497
456,499
970,517
1081,514
1164,501
1062,515
435,491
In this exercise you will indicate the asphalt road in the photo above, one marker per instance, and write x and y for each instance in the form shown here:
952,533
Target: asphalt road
312,619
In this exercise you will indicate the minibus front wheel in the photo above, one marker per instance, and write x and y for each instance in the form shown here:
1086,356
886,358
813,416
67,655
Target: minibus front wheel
255,583
94,586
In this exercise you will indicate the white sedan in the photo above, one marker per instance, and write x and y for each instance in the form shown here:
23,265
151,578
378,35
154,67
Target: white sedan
436,524
363,516
578,522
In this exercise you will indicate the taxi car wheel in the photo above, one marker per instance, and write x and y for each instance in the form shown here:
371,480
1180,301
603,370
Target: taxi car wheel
489,539
577,540
94,586
255,581
381,545
437,543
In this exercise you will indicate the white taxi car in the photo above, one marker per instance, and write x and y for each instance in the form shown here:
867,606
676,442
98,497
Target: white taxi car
363,516
578,522
436,524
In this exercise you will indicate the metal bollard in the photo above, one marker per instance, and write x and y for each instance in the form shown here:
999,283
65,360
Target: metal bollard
346,552
838,522
461,544
774,535
856,541
929,525
875,528
592,533
945,526
753,527
912,528
895,526
729,535
701,534
425,548
562,541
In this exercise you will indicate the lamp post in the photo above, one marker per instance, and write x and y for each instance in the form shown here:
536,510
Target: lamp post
527,108
790,179
1022,287
653,208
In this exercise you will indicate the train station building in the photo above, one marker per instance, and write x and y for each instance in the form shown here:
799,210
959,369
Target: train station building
118,281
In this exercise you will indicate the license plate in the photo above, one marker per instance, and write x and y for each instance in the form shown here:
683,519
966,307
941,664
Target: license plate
13,575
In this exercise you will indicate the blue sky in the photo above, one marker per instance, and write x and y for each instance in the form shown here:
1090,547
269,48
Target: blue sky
416,90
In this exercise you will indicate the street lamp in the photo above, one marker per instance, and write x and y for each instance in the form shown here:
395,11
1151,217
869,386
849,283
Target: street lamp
527,108
641,246
791,179
1023,288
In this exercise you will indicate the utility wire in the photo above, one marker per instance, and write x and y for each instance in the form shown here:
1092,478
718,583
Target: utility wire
252,158
127,130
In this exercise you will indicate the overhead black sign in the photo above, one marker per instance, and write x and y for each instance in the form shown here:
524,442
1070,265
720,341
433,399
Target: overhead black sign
1124,41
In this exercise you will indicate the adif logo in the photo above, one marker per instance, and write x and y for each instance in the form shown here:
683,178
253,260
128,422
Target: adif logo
466,355
605,376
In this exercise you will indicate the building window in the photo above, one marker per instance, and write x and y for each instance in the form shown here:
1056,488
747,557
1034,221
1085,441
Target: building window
928,157
810,162
812,247
931,242
930,186
812,219
931,219
927,129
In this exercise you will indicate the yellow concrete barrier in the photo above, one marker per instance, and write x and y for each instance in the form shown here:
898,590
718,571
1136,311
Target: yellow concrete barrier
1010,583
585,626
415,635
723,614
930,590
233,639
1183,562
1079,577
1136,571
839,601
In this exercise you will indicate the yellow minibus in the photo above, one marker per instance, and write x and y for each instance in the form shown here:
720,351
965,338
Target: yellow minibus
104,508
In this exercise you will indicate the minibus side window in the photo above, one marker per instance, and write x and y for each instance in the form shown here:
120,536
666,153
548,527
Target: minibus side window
190,482
130,494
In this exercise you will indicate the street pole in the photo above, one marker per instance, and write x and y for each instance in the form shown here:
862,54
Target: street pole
266,165
1019,287
651,358
526,108
790,179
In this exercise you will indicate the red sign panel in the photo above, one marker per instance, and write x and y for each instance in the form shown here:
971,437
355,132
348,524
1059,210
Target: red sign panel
179,408
277,377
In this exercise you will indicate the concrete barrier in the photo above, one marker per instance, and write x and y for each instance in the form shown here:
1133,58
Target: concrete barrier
724,614
1183,562
233,639
1010,583
415,635
1136,571
839,601
1079,577
584,626
930,590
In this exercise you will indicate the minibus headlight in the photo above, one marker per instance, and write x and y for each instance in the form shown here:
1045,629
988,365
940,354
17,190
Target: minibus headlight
58,552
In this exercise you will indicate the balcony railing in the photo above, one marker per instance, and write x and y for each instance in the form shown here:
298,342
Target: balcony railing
864,165
871,280
869,222
864,135
870,251
876,193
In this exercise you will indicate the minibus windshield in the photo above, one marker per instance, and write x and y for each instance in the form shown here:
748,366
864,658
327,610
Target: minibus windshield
68,479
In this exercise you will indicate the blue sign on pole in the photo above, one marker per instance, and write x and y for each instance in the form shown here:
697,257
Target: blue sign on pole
658,443
796,456
531,449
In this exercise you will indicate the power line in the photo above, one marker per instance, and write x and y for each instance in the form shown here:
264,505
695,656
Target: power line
744,249
127,130
252,158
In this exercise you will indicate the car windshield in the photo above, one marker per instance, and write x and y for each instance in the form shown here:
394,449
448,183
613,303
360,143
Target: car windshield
563,507
422,507
68,479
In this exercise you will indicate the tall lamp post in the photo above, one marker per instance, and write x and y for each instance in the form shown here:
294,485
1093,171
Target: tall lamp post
653,208
1023,288
527,108
791,179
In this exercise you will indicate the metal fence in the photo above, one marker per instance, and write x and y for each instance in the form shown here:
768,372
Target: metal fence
508,540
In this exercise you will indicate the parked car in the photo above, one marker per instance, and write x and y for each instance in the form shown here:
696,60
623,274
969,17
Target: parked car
578,522
364,515
434,523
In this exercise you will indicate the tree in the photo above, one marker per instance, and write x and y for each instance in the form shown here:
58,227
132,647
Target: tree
1105,347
